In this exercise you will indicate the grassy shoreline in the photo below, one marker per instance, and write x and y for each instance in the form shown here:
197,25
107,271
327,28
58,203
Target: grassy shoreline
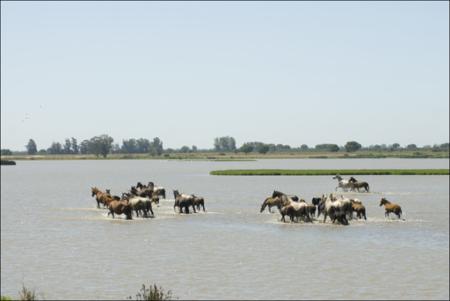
237,156
326,172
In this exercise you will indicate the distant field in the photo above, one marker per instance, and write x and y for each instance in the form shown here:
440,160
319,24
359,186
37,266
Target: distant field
238,156
324,172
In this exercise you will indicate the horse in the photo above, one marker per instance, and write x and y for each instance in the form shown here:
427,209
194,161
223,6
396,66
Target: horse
271,202
355,184
108,192
139,204
199,201
183,201
359,208
391,208
311,208
101,197
295,211
157,190
342,183
337,209
279,193
120,207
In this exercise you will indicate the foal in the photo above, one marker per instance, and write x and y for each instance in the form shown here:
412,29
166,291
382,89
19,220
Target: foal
390,208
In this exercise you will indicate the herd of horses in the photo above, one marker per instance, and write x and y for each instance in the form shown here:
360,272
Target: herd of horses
337,208
139,199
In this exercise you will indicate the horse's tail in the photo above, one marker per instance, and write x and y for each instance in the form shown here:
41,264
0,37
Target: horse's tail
263,206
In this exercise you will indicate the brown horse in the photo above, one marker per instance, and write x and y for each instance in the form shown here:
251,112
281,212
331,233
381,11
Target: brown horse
100,196
199,201
183,201
359,208
390,208
355,184
271,202
120,207
311,208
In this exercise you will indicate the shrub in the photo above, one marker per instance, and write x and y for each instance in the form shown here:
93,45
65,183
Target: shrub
153,293
26,294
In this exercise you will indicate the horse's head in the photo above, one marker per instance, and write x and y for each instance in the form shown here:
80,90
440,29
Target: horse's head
176,193
150,185
108,191
277,193
337,177
139,185
94,190
383,201
155,200
352,180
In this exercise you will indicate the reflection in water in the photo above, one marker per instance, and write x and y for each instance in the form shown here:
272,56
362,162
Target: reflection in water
55,240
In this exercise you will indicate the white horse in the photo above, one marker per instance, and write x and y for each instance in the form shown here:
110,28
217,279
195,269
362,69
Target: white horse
344,184
337,209
141,204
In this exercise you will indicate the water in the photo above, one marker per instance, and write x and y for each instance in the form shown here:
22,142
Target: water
55,240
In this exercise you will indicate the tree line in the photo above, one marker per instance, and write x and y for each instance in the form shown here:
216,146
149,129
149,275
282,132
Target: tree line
103,145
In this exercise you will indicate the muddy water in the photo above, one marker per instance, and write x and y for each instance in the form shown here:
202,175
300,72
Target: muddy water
55,240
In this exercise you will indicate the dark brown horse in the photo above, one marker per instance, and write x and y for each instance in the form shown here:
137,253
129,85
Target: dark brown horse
183,201
100,196
199,201
357,185
120,207
390,208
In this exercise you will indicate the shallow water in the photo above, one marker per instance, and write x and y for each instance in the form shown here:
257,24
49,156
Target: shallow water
55,240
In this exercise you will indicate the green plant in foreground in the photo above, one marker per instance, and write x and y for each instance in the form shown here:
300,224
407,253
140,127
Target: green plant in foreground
153,293
26,294
6,298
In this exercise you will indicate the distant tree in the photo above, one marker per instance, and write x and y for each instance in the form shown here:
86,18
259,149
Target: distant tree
352,146
444,146
263,149
42,152
246,148
31,147
75,149
67,149
6,152
304,147
100,145
55,149
411,147
84,147
156,147
143,145
395,146
129,146
115,149
224,144
194,148
327,147
184,149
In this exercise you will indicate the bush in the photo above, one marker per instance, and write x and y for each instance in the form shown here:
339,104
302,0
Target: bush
26,294
153,293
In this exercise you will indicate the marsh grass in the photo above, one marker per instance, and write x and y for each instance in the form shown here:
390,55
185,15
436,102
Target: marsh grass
326,172
26,294
153,292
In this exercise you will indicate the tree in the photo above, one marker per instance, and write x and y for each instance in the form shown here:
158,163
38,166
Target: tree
75,149
31,147
304,147
225,144
411,147
84,147
194,148
327,147
395,146
156,147
6,152
184,149
100,145
246,148
55,149
262,149
352,146
67,147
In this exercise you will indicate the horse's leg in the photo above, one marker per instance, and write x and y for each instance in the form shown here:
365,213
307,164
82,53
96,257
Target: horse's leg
270,211
151,210
203,205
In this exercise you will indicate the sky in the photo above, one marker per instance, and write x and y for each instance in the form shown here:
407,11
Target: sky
187,72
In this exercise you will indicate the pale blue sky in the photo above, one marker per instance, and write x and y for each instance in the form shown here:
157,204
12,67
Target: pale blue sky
291,72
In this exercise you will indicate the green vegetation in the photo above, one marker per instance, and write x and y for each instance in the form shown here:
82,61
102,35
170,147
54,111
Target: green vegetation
7,162
324,172
153,293
5,298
